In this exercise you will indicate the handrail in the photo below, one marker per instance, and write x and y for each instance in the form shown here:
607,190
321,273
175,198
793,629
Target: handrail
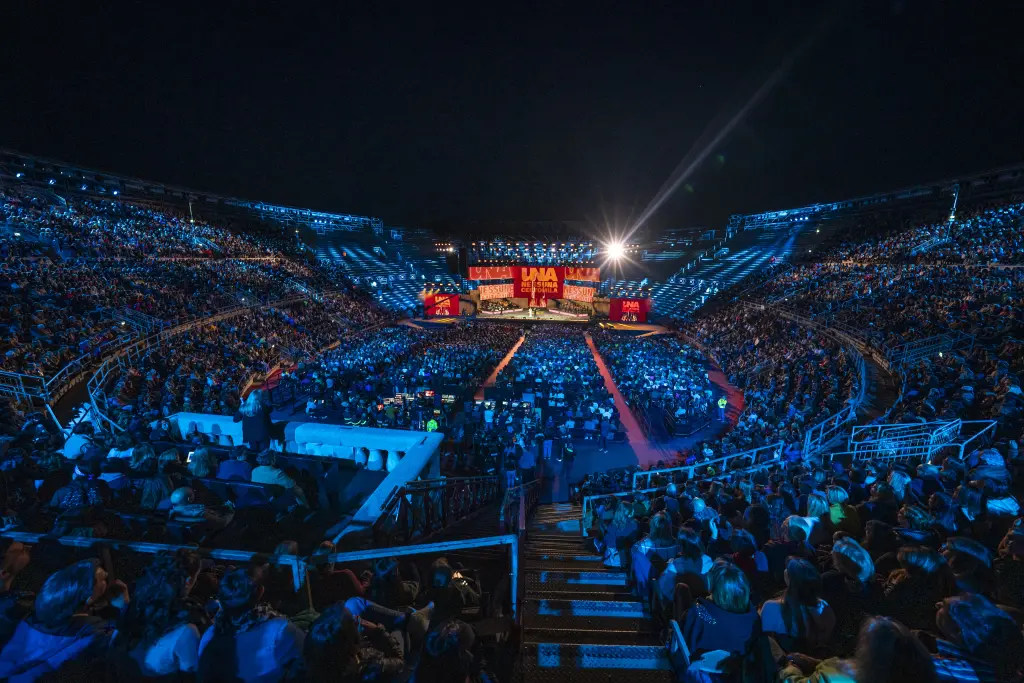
420,511
922,444
296,562
448,480
988,431
510,540
588,502
643,477
677,648
99,376
518,502
820,434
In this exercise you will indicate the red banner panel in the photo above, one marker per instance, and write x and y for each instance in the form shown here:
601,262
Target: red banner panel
441,304
539,283
577,293
506,291
491,273
629,310
583,274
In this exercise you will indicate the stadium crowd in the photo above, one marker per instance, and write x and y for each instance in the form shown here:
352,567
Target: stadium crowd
808,573
846,570
660,377
792,378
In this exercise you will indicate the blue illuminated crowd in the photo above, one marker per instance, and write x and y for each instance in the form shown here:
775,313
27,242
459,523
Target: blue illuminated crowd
790,569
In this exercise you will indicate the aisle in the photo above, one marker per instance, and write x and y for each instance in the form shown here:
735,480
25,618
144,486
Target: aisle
489,382
735,396
645,453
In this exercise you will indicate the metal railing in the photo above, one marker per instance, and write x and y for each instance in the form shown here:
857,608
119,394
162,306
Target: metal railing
420,509
983,436
905,355
509,540
642,478
588,503
901,442
21,386
297,563
678,651
517,506
129,355
822,433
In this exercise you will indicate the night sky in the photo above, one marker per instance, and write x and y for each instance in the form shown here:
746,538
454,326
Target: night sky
516,111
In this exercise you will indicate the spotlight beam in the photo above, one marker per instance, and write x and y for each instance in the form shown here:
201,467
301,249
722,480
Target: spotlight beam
718,129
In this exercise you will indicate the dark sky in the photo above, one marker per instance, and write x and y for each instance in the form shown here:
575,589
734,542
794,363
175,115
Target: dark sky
519,110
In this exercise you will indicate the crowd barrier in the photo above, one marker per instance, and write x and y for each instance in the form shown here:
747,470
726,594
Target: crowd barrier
905,355
642,478
922,441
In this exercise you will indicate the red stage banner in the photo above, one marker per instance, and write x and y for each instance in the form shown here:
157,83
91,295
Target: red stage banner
629,310
441,304
583,274
577,293
491,273
506,291
539,283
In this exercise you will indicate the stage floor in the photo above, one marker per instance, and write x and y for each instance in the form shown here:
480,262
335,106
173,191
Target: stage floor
519,316
538,314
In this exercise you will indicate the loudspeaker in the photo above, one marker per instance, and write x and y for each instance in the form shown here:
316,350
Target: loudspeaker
451,259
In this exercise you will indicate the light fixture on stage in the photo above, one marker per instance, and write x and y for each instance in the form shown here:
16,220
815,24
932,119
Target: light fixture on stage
615,250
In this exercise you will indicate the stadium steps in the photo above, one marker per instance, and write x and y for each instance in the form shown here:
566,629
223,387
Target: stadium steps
581,622
882,391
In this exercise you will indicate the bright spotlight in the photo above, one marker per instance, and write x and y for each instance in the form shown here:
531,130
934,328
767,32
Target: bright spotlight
615,250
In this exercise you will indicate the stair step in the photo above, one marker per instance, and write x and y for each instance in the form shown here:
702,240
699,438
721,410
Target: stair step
569,526
562,555
555,536
573,547
579,580
605,637
550,563
587,615
638,662
589,593
556,517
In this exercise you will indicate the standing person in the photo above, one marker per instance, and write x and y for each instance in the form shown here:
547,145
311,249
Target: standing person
527,465
568,456
606,430
723,403
254,415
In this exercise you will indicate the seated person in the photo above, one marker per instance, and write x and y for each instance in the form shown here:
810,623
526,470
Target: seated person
799,619
238,467
267,472
185,509
86,489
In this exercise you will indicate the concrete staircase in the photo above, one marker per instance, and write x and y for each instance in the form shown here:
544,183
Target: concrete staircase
581,622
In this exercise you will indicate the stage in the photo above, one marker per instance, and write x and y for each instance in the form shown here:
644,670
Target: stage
535,314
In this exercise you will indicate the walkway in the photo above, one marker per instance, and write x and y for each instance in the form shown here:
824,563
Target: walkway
735,396
489,382
635,437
